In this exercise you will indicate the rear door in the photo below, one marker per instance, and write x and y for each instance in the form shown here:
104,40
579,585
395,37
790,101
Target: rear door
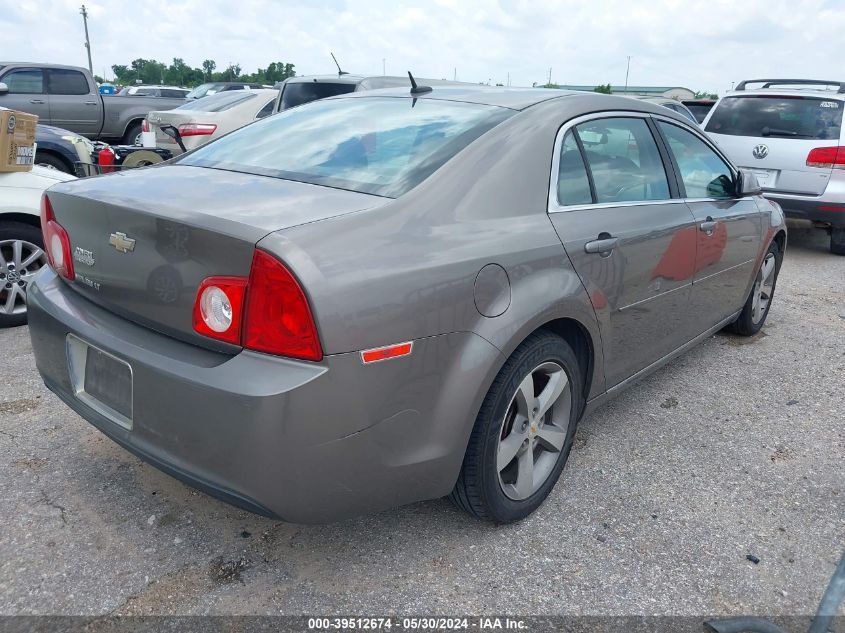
74,104
772,135
628,234
728,229
27,92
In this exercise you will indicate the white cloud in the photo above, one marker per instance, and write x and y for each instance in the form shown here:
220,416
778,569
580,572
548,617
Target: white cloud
702,44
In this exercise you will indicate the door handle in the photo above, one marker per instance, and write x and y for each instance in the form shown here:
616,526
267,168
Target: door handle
39,101
603,245
90,103
708,225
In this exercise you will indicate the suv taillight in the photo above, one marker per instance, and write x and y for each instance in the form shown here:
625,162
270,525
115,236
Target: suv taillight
267,312
145,126
56,241
828,157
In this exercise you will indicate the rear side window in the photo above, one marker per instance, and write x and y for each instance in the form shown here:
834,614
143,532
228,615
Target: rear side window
379,145
573,185
26,82
173,93
703,172
623,158
297,93
266,110
67,82
782,117
219,102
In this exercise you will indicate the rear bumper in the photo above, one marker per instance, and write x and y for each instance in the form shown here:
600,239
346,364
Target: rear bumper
828,208
305,442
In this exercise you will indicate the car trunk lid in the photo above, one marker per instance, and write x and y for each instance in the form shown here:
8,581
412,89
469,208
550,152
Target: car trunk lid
772,135
143,240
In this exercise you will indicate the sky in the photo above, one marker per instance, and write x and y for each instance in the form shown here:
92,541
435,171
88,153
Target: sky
699,44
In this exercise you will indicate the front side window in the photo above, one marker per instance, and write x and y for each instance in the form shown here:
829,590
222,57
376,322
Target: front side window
379,145
67,82
703,172
25,82
573,185
624,160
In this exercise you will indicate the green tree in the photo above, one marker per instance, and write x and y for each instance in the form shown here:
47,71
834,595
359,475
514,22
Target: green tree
208,67
603,88
706,95
121,73
552,85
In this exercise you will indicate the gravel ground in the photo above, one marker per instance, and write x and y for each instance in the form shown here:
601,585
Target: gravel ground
736,448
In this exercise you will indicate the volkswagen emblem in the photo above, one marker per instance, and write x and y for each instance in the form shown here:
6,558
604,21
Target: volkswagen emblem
760,151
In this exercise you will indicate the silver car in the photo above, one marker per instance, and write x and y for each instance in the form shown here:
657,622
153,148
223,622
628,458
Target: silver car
789,133
395,295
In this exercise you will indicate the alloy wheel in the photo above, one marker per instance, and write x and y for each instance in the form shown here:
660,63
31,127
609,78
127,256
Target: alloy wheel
19,262
533,431
764,287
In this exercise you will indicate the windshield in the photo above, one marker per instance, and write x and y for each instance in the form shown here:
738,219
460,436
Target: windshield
297,93
777,116
202,90
379,145
218,102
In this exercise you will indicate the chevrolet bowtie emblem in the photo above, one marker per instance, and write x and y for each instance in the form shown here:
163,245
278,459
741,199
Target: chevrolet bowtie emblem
121,242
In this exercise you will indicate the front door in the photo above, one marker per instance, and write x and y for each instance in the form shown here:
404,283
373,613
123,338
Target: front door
27,92
728,229
627,233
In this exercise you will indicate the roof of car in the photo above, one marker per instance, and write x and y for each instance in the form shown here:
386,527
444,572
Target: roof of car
514,98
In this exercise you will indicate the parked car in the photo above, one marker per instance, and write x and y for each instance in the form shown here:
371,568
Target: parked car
21,244
198,122
68,97
61,149
699,107
789,132
203,90
672,104
295,91
378,304
154,91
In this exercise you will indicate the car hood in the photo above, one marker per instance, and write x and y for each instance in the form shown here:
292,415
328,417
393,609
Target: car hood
39,178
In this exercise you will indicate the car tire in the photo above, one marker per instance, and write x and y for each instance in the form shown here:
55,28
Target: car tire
756,307
837,241
15,277
133,135
52,162
485,490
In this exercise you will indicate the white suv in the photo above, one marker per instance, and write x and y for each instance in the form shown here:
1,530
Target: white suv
789,133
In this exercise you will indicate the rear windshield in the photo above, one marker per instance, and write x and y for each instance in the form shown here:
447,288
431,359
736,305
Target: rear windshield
378,145
297,93
782,117
202,90
218,102
699,110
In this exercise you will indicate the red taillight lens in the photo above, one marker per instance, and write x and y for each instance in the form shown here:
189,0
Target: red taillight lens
828,157
145,126
278,319
56,241
266,313
196,129
219,307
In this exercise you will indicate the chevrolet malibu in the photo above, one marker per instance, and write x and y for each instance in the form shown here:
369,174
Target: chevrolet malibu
391,296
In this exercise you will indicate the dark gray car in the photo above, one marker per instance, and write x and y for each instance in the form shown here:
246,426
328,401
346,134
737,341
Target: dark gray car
420,300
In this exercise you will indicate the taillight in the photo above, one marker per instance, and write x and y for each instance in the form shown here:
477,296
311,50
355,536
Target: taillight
196,129
218,308
56,241
267,312
278,319
828,157
145,126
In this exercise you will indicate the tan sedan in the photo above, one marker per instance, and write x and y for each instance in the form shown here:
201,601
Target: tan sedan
198,122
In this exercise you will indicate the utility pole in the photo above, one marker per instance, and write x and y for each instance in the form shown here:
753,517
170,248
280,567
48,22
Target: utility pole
627,70
455,77
87,40
550,77
383,68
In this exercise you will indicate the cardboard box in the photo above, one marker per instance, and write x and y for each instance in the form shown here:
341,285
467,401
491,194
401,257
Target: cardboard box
17,140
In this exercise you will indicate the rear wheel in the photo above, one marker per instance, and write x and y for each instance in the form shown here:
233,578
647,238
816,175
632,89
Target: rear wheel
523,433
133,135
756,308
21,257
837,241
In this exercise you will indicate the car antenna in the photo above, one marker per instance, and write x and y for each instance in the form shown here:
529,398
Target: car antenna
339,71
415,89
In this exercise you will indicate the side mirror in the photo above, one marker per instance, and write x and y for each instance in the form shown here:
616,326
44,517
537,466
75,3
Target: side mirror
747,185
4,89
